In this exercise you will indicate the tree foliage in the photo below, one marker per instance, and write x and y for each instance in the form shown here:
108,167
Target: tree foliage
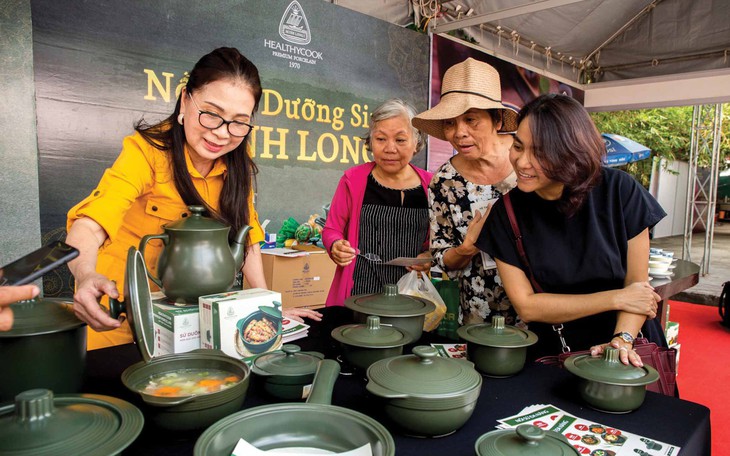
666,131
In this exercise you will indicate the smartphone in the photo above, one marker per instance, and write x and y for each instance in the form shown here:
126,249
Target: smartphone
34,265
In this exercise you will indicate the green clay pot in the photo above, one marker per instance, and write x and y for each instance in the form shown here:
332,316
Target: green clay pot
287,373
47,332
423,394
496,349
608,385
402,311
524,440
362,345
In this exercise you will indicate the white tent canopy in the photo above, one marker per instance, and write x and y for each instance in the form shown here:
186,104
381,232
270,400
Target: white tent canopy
626,54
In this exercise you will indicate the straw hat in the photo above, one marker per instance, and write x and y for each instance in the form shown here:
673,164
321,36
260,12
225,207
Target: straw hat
466,85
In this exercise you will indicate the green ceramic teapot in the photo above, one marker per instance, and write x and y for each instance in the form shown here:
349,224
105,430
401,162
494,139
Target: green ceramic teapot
196,259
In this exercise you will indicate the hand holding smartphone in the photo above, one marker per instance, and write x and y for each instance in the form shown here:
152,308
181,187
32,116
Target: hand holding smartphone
37,263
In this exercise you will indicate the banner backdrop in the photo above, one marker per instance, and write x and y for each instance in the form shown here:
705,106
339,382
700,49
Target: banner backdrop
101,66
519,85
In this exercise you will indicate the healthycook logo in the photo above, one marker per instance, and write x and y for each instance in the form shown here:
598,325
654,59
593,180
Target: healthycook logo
294,28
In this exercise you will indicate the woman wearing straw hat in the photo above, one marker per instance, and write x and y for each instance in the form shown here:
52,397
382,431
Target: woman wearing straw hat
380,207
470,115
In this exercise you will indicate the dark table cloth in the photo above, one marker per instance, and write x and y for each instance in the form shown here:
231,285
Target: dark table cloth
667,419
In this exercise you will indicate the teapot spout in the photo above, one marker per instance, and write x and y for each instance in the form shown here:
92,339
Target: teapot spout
238,247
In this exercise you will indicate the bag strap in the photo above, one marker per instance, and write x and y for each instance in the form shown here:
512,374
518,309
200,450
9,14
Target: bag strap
518,241
523,257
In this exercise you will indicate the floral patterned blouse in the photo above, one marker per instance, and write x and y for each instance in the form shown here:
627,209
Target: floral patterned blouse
451,197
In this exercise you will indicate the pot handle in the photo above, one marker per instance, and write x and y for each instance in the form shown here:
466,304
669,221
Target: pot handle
385,393
143,243
324,382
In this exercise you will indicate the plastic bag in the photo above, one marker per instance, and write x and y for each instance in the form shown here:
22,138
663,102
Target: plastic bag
418,284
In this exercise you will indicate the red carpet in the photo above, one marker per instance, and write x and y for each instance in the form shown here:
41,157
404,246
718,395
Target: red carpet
704,366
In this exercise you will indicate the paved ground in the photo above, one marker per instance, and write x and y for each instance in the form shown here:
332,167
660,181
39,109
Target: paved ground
707,291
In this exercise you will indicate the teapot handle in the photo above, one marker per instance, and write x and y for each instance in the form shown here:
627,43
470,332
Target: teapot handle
143,243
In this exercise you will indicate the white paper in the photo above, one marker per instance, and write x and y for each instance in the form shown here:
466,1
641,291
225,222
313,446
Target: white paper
482,206
243,448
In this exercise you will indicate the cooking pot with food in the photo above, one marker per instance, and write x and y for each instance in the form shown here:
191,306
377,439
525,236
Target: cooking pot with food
260,329
46,348
196,259
182,391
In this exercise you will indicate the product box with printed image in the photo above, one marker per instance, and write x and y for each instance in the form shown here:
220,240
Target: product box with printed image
243,323
177,328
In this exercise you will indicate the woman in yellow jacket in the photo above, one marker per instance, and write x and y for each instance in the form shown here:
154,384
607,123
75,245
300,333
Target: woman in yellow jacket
197,156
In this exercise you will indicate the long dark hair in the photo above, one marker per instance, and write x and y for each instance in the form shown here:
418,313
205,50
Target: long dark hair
567,146
169,136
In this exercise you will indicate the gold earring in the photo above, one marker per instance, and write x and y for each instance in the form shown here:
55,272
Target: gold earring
180,118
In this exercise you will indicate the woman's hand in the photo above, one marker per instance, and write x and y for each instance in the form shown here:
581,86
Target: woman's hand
422,267
10,294
626,352
86,301
342,253
298,314
638,298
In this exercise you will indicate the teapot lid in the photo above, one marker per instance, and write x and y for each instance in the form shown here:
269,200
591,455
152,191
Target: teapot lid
196,222
524,440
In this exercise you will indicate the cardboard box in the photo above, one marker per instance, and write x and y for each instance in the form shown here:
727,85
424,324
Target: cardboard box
302,277
224,316
177,328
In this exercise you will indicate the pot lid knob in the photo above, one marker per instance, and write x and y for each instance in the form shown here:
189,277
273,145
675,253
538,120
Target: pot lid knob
610,355
373,322
425,353
390,289
498,322
530,434
291,349
34,405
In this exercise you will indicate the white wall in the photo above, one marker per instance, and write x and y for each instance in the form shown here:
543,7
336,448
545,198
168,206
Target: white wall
669,186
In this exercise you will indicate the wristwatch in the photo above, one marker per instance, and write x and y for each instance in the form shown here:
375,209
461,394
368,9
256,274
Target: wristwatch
626,337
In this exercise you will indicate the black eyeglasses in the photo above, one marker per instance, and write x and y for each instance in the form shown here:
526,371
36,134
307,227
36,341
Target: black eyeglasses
212,121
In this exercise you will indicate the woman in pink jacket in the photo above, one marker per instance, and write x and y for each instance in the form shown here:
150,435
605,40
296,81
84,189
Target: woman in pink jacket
379,207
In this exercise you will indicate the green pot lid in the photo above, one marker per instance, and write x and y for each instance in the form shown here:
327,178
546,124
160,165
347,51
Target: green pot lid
372,334
524,440
273,312
609,369
38,424
497,334
424,374
42,316
138,303
289,361
196,222
390,303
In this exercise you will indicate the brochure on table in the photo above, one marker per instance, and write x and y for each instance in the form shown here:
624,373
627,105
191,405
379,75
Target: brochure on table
588,437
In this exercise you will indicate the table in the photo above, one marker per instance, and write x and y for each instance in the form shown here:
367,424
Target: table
686,275
662,418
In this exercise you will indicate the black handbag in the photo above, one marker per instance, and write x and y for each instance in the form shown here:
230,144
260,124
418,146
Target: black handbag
663,359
